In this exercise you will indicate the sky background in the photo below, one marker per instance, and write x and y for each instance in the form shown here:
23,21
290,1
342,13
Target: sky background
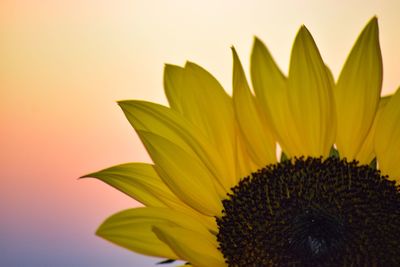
63,64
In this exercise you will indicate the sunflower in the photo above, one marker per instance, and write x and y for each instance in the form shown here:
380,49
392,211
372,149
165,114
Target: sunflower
218,195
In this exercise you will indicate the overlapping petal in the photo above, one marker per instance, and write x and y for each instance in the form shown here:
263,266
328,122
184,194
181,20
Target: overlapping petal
387,141
137,180
160,120
244,162
310,99
367,152
141,182
198,96
270,87
179,170
132,229
358,90
174,86
198,248
252,122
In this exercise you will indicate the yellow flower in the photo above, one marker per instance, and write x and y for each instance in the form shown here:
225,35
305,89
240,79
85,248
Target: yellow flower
216,194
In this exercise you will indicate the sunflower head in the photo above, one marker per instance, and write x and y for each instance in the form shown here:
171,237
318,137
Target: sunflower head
311,212
217,195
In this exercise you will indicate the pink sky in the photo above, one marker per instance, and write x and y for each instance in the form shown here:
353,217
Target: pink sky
63,64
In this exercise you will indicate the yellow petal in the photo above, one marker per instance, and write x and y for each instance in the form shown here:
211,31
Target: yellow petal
185,175
358,90
244,163
200,249
387,141
158,119
132,229
137,180
366,153
209,107
163,121
330,76
173,86
270,87
141,182
253,125
198,96
310,99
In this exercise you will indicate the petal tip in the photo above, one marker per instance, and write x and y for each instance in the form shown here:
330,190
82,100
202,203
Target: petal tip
372,27
189,64
90,175
234,53
256,41
170,66
100,231
123,103
303,38
171,70
258,46
373,20
303,32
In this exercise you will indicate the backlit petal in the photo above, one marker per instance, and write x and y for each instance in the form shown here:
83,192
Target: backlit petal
244,163
387,141
253,125
163,121
357,91
132,229
137,180
200,249
173,86
199,97
185,175
141,182
366,153
310,99
270,87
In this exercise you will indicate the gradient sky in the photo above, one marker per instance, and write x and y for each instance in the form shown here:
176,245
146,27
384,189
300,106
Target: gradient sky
63,64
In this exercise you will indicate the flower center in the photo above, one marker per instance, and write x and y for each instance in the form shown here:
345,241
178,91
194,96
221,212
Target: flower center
312,212
315,233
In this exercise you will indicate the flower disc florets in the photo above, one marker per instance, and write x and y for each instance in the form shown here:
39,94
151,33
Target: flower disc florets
312,212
